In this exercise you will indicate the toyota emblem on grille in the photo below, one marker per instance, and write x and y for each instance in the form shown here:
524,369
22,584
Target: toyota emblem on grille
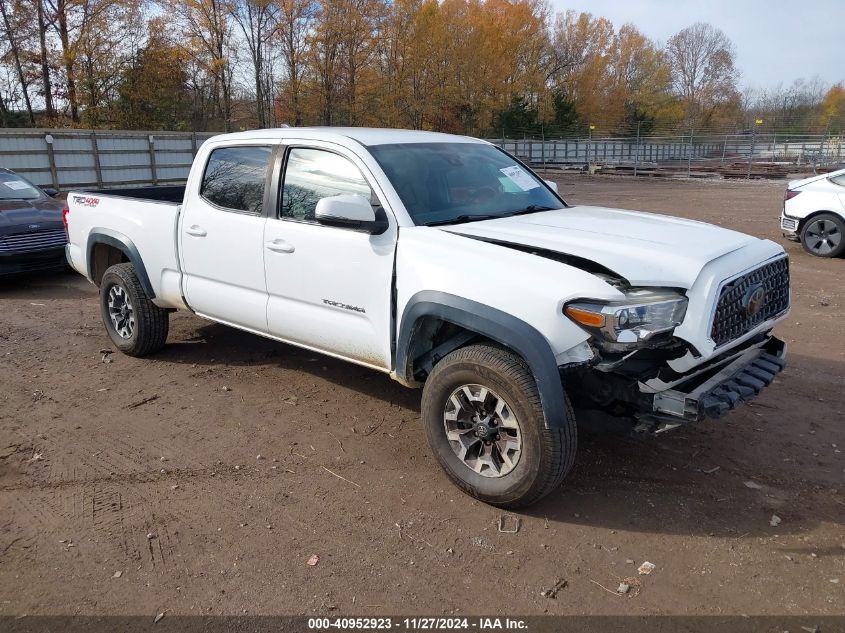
753,300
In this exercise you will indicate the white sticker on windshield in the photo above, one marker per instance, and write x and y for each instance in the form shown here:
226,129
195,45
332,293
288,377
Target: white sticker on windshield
16,185
520,178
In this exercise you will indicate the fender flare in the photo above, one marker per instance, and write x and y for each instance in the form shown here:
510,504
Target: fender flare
102,235
499,326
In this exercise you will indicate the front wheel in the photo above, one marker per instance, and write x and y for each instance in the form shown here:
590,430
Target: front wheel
824,235
134,323
484,422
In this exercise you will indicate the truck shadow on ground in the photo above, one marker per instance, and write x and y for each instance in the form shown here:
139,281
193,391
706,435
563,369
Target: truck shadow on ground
727,477
37,287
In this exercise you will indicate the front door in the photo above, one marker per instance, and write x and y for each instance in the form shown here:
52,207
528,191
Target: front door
329,288
221,239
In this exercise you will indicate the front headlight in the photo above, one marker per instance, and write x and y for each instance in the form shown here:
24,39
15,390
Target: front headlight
643,315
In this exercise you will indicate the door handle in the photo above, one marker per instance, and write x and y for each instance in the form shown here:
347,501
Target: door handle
196,231
280,246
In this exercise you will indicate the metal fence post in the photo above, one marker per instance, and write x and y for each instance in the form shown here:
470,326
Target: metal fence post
194,144
751,153
96,152
51,157
151,142
543,146
637,154
689,155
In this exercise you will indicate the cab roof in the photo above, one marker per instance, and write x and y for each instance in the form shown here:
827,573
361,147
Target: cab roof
363,135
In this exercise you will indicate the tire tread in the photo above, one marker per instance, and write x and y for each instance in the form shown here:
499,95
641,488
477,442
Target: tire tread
152,322
559,444
830,217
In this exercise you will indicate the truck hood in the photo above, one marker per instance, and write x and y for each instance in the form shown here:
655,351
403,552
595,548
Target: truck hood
645,248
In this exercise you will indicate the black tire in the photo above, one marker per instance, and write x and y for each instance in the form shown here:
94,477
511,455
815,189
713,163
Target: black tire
823,235
546,455
149,323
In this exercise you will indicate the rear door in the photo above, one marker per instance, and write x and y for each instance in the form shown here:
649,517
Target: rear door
221,237
329,288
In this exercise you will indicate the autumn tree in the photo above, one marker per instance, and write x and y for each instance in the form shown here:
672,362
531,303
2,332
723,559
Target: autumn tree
258,22
208,41
703,72
295,20
342,49
14,25
104,49
154,92
583,48
642,78
833,109
791,109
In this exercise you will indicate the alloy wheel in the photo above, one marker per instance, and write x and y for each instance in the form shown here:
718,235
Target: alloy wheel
121,312
822,236
482,430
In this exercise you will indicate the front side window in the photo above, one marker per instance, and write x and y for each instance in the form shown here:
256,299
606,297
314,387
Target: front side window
839,180
444,183
314,174
235,177
13,187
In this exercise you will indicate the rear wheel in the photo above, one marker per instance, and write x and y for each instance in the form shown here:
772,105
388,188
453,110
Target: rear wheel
484,422
134,323
824,235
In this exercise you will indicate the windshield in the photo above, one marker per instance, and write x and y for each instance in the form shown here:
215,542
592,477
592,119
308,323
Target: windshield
441,183
13,187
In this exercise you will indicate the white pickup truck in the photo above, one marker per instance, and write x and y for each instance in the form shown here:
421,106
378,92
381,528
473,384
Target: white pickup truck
446,263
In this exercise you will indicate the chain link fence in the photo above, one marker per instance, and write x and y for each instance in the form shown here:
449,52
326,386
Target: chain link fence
106,158
731,155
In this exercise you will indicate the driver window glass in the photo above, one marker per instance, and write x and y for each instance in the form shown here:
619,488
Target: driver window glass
839,180
313,174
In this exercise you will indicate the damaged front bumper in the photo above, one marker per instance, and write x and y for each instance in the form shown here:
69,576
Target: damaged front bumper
715,392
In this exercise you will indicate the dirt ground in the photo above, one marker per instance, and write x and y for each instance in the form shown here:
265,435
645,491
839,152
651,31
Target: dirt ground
209,474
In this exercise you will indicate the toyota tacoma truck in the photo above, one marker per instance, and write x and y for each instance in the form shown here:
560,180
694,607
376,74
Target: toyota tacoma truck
448,264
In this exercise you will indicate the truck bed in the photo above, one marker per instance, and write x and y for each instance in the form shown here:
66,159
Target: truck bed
143,220
164,193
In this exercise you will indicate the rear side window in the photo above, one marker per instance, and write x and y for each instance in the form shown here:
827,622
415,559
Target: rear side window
235,177
313,174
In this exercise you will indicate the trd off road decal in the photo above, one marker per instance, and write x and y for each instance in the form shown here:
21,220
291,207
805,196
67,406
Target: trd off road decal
86,201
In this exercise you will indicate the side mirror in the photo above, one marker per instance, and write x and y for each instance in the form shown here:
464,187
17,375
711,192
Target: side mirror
50,191
351,212
552,185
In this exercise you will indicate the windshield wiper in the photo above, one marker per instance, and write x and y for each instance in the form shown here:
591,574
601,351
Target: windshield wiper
531,208
463,218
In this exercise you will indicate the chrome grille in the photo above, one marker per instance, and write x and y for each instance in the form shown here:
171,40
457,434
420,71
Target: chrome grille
732,318
27,242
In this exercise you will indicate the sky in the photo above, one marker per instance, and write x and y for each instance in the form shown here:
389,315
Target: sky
776,41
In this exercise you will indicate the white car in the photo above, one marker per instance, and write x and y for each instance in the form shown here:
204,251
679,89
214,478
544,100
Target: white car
447,264
814,213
